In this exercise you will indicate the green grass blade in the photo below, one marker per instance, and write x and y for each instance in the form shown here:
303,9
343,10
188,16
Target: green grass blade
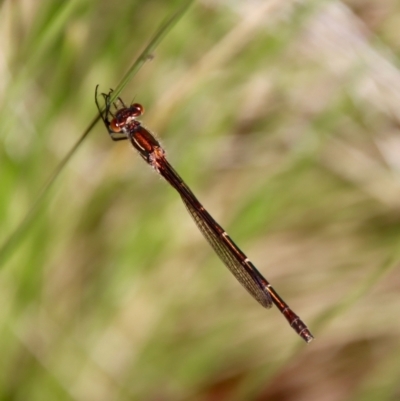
22,228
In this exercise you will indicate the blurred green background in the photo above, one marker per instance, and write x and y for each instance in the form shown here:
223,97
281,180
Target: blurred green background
283,118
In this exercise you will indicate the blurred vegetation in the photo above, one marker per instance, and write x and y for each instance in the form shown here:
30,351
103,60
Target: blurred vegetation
283,119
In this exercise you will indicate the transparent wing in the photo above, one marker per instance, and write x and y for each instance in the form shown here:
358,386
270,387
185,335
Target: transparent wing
223,248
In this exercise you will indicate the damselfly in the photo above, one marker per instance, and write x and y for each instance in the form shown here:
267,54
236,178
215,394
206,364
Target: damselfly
122,124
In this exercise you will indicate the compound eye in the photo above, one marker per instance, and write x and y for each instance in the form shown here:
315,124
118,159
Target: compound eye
137,109
114,126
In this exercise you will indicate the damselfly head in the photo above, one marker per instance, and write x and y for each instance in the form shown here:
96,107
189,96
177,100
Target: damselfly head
126,117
